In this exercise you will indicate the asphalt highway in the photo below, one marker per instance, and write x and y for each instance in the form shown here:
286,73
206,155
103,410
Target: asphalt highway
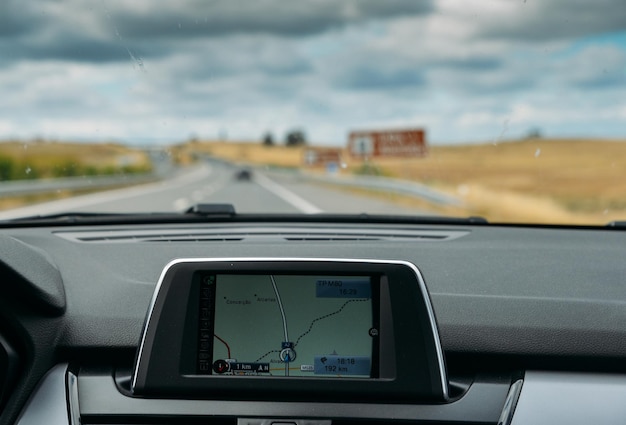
214,182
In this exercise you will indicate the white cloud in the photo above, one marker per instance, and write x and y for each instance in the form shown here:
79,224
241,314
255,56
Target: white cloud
460,69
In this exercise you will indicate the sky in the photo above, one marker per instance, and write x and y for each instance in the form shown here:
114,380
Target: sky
164,71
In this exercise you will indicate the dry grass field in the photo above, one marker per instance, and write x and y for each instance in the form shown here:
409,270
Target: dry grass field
529,181
27,160
243,152
547,181
33,160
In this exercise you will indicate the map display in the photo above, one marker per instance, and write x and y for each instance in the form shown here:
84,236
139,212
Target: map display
290,325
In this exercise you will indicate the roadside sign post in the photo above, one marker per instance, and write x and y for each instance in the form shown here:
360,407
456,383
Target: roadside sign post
389,143
321,157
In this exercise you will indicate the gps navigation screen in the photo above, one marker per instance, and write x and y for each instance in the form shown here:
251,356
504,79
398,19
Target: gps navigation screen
287,325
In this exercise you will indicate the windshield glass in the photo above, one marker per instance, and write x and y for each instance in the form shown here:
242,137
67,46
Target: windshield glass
511,110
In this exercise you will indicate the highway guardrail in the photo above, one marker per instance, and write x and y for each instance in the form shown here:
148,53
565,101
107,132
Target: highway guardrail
384,184
29,187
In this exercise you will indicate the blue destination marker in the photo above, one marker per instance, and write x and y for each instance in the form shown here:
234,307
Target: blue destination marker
342,365
341,287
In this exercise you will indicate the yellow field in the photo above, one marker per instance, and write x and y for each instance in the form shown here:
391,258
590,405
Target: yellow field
55,159
242,152
531,181
555,181
33,160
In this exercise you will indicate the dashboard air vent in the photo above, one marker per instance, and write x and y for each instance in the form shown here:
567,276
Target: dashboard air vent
264,234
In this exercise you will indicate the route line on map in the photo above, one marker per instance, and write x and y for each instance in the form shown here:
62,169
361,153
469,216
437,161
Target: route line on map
225,343
311,326
325,317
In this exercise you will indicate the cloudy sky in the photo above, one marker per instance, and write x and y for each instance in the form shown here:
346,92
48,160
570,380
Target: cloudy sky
164,70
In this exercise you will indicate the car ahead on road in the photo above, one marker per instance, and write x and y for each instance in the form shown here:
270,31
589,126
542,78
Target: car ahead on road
243,175
321,294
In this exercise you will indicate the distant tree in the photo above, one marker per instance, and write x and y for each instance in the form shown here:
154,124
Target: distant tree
295,138
534,133
268,139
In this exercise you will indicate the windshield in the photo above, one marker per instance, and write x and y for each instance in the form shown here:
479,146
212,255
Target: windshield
511,110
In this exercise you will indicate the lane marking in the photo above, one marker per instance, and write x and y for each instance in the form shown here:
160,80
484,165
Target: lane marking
199,195
71,204
286,195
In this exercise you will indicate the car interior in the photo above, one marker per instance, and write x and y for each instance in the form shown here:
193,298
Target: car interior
417,321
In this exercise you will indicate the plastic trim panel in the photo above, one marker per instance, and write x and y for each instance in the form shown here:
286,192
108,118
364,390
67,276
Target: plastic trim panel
571,398
100,400
48,404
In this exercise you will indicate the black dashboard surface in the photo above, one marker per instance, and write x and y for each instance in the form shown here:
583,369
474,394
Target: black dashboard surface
534,297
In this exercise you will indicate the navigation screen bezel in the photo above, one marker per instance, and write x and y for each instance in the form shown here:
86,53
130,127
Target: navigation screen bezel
407,364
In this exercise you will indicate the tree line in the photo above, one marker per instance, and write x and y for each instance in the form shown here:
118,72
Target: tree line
293,138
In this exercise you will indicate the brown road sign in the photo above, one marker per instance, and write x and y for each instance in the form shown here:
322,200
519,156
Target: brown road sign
367,144
319,157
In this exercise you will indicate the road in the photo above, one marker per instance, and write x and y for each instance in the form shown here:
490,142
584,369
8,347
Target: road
214,182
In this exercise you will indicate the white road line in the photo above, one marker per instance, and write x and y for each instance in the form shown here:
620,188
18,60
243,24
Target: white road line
67,205
286,195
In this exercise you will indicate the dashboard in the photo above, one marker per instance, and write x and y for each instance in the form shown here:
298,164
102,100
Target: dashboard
312,321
